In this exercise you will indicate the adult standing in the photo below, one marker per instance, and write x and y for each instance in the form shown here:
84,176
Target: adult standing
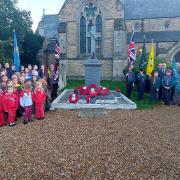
54,76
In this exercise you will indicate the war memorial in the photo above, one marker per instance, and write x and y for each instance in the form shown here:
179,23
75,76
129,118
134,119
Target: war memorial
92,93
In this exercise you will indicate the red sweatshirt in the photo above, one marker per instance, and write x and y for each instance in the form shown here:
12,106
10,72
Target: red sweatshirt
39,97
1,101
10,102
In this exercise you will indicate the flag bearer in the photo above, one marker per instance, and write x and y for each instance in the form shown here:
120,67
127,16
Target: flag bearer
130,78
141,84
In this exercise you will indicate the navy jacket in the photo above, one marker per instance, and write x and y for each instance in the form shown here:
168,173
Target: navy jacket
167,82
130,77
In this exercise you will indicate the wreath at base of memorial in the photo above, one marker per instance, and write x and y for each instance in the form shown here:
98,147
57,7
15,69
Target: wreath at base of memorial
88,92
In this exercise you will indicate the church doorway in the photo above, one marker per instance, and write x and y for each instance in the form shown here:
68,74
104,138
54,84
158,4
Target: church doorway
177,57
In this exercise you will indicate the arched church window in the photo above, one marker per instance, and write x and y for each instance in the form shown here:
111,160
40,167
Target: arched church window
90,30
83,35
99,37
98,24
90,24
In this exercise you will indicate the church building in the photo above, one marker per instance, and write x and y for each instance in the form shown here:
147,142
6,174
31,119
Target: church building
104,27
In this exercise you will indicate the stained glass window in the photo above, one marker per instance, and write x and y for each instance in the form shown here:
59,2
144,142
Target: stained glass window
91,10
98,47
98,24
89,44
83,35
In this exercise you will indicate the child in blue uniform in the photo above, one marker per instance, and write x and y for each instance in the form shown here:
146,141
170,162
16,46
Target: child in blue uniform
167,84
155,85
141,84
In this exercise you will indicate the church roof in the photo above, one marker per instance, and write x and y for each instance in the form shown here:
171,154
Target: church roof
50,25
150,9
166,36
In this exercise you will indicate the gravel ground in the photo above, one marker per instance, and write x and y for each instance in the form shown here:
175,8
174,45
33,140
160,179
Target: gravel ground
126,145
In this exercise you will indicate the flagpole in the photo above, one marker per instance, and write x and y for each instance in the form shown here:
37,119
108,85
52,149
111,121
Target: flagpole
16,52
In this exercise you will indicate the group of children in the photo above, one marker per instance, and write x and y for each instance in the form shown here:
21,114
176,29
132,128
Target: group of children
164,84
23,93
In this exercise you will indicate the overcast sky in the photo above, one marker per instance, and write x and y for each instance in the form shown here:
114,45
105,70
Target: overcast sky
36,7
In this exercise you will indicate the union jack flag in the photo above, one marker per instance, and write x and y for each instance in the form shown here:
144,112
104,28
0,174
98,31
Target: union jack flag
57,52
132,51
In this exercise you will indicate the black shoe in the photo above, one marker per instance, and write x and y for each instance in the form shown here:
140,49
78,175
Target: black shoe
12,124
25,122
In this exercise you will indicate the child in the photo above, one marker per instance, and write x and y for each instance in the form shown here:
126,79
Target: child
141,84
34,81
22,82
10,105
39,98
130,78
167,84
17,90
4,81
26,102
177,87
155,85
2,121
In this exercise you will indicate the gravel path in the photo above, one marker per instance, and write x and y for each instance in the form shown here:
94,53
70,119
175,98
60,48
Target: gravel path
126,145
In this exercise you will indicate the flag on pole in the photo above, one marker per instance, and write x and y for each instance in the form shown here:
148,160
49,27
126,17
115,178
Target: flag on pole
175,70
16,53
57,52
150,66
174,65
143,56
132,51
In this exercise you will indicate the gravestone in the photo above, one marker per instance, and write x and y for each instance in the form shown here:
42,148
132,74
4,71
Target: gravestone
92,71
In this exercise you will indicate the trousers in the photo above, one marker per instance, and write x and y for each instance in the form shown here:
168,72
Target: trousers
27,113
11,116
2,120
39,111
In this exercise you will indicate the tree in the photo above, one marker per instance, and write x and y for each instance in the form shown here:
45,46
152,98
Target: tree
30,48
11,17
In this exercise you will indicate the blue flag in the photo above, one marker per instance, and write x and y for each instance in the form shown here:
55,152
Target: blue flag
16,53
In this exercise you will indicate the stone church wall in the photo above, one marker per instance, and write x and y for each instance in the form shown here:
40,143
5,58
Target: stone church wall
114,36
159,24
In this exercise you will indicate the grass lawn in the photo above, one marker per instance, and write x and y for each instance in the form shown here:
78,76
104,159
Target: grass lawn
144,104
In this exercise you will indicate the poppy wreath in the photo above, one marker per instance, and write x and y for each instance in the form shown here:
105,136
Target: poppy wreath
84,90
88,99
93,91
105,91
93,86
74,98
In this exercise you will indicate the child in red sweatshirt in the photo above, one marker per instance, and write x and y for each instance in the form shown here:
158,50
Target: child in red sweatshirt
10,105
2,121
39,98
